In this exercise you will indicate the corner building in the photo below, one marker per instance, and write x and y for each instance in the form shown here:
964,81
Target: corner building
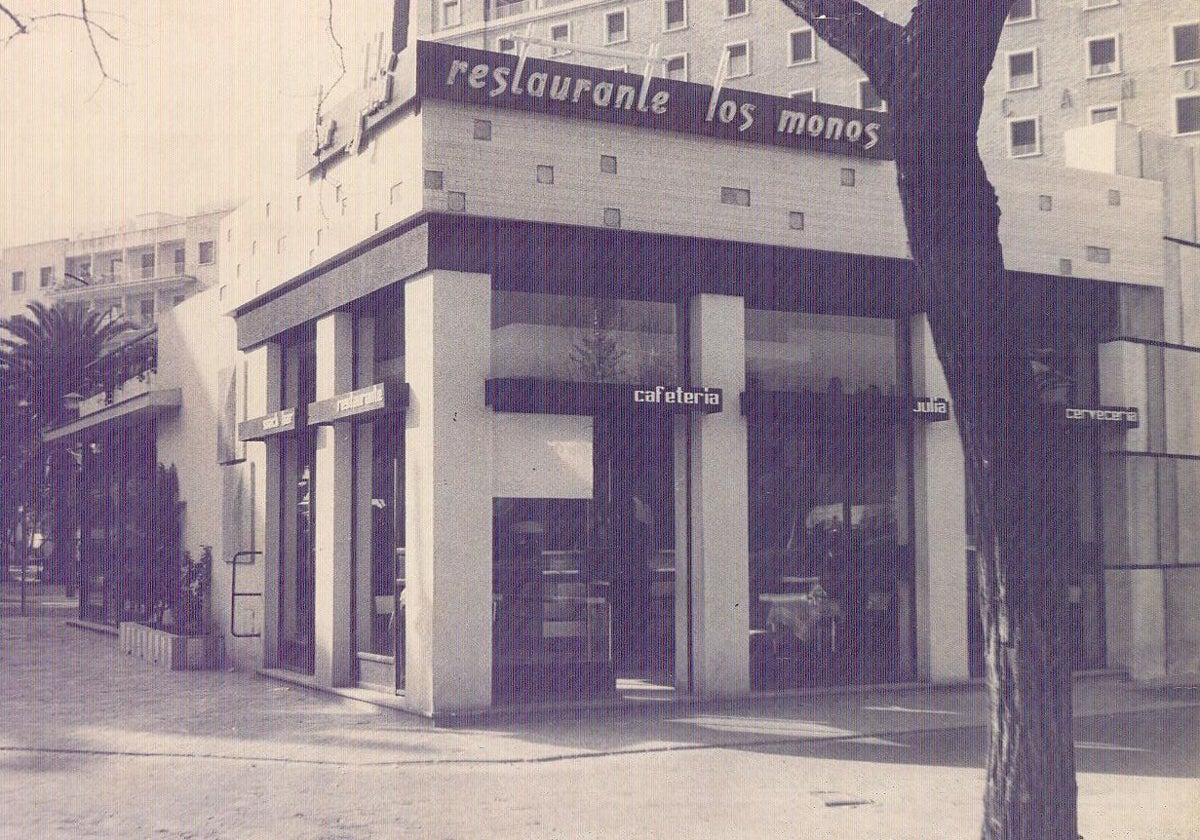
538,397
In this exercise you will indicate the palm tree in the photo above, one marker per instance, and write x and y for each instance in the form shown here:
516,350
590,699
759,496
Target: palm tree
45,354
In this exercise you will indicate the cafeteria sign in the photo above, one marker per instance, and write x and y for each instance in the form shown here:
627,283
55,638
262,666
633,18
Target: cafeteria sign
501,80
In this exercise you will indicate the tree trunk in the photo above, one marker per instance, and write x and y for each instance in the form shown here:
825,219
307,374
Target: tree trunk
1012,451
932,72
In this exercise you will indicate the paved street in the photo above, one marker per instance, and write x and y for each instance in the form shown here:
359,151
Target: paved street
93,744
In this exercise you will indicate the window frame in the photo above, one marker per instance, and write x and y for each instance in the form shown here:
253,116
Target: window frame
812,44
45,276
500,45
1037,70
1033,14
729,63
17,282
1037,133
1176,62
624,39
1106,106
557,51
442,19
1175,116
883,106
1105,5
666,27
212,252
686,66
1087,55
793,94
734,16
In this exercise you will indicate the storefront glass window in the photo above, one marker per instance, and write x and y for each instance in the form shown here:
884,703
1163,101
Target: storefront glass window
583,339
297,562
830,580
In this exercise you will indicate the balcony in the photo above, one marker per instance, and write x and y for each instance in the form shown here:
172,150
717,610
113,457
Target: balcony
88,286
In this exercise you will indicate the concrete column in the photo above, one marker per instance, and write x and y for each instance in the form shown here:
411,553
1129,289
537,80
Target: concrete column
264,378
720,546
333,501
364,478
939,538
448,495
1135,608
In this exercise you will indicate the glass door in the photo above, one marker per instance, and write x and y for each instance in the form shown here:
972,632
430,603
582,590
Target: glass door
297,564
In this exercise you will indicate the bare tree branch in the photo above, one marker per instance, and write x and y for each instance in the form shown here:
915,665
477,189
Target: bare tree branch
87,25
21,28
91,19
866,38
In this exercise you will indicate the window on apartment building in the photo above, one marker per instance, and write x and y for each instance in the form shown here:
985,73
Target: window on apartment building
1100,4
869,98
737,60
506,45
801,46
451,13
674,14
1096,254
1185,43
1104,113
147,266
180,260
1187,114
46,276
1104,56
146,309
616,27
734,8
799,96
1022,70
1022,10
560,32
677,67
207,252
18,281
116,270
1024,137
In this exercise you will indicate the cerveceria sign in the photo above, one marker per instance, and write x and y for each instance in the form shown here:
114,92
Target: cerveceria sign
1104,415
460,74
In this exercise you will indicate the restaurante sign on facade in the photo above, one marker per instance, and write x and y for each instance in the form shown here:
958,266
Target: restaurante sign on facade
501,80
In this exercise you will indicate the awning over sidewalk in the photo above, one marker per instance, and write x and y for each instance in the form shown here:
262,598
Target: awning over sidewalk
145,406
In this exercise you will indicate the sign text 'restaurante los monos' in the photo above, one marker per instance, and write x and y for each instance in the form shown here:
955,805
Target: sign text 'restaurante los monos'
500,80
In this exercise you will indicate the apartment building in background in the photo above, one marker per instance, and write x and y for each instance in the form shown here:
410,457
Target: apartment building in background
136,270
1061,64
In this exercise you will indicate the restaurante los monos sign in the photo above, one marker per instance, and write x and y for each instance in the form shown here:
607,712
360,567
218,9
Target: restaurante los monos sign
501,80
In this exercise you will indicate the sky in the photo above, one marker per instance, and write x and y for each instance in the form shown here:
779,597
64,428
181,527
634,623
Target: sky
209,98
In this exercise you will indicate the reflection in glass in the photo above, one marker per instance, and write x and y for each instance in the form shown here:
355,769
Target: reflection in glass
582,339
829,580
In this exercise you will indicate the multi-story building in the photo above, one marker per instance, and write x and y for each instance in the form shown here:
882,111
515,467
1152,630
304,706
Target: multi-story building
1061,63
135,271
522,400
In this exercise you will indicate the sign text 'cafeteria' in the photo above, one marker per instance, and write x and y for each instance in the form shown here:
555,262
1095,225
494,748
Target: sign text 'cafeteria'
501,80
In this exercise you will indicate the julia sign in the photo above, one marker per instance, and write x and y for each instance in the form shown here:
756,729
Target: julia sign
931,409
501,80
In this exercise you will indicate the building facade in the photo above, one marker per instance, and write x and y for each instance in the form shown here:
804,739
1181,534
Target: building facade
543,379
1061,64
136,271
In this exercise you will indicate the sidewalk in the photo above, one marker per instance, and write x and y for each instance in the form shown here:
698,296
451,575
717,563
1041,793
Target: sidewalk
79,716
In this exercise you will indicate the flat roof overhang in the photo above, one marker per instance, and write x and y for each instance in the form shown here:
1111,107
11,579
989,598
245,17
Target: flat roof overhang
144,407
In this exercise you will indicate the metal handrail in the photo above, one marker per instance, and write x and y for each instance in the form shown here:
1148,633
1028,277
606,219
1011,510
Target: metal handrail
234,562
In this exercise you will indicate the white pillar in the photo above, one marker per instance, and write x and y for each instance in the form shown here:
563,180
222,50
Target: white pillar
939,538
448,492
332,500
264,389
720,561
